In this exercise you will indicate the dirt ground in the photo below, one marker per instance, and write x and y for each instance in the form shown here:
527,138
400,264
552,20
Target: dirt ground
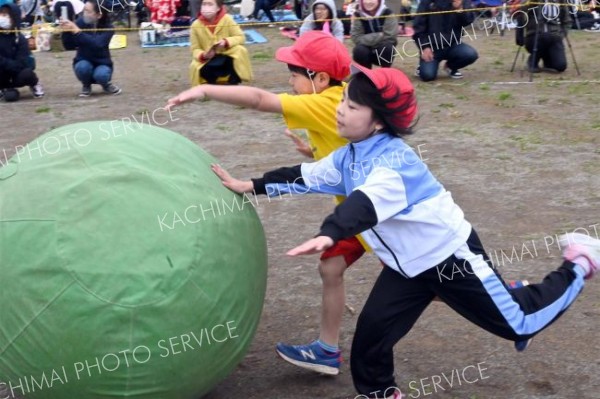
522,159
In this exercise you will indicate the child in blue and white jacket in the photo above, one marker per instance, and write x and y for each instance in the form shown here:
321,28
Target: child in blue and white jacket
413,225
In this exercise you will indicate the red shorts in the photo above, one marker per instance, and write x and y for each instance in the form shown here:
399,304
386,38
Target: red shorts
350,248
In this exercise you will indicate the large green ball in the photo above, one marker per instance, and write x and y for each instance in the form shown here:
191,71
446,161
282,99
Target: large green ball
127,269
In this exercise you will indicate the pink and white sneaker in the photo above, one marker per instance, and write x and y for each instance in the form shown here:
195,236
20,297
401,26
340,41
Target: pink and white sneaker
397,394
577,245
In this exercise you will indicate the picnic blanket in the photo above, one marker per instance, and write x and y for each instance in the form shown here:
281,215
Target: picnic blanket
252,37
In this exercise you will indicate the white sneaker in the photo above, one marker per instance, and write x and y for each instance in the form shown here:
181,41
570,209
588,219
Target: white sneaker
453,73
594,28
37,91
577,245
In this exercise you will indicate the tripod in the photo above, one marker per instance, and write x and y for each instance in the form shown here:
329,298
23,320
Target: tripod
520,41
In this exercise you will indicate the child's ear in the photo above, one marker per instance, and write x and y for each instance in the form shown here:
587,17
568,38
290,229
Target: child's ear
323,78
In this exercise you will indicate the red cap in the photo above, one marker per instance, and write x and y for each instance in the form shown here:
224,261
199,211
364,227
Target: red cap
393,82
319,52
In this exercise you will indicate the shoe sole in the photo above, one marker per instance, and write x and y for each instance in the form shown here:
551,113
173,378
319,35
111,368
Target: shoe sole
319,368
577,238
526,345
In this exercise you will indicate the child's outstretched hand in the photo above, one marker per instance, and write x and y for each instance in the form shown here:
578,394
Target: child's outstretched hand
312,246
194,93
239,186
301,146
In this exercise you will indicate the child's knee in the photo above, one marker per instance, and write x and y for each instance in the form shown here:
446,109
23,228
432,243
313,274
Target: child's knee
332,268
11,95
427,76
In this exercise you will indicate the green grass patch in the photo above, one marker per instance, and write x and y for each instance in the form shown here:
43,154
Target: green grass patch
262,55
42,110
503,96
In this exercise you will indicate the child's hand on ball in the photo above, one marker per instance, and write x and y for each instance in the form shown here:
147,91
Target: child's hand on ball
239,186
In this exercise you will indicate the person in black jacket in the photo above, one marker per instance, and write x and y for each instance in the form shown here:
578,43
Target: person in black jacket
438,27
91,34
546,23
16,62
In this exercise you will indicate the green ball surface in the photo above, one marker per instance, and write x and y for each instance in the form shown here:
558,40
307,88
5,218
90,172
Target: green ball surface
128,269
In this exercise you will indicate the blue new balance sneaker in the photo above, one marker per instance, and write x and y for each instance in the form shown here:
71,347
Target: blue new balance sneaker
520,346
311,357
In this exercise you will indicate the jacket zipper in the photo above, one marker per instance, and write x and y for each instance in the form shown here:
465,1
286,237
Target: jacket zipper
400,270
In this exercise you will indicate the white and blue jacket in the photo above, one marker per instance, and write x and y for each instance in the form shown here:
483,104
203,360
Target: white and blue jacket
405,215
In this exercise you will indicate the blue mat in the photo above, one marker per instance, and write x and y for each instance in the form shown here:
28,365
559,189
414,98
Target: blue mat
252,37
279,15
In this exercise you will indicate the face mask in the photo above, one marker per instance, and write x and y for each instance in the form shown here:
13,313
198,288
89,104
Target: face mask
89,20
209,12
4,22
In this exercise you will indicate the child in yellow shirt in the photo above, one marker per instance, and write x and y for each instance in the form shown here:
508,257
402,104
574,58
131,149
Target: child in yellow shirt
318,63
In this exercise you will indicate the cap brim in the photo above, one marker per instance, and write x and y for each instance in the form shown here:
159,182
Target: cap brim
286,55
356,68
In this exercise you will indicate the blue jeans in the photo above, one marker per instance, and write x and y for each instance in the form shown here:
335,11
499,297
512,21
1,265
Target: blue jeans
87,74
457,57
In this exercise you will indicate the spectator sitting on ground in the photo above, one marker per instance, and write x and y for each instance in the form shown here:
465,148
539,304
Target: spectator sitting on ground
587,17
547,23
374,32
91,35
217,44
323,17
438,29
16,62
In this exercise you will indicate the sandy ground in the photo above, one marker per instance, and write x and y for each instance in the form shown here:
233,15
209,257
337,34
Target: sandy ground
522,159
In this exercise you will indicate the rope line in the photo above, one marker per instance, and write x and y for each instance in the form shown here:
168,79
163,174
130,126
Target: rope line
512,8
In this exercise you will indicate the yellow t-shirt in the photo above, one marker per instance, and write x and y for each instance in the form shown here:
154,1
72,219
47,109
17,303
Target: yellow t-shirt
316,114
